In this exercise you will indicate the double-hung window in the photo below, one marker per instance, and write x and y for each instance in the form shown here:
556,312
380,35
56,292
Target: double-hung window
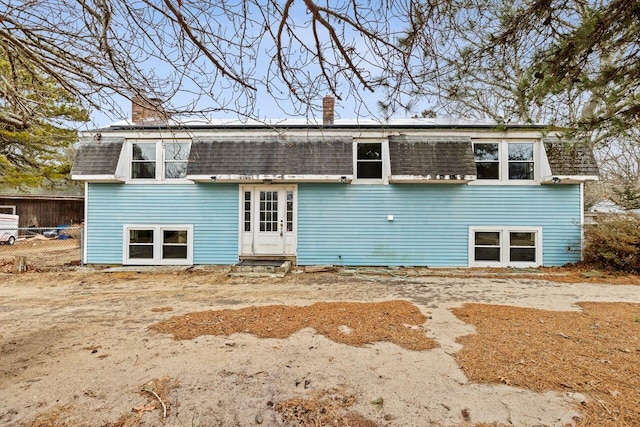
520,157
371,161
487,156
505,161
505,246
158,244
143,160
175,155
159,160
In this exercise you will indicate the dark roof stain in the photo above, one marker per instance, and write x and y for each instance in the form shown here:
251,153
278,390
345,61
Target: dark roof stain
570,158
431,156
271,156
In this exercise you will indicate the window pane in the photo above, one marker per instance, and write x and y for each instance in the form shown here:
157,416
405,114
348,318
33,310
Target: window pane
486,238
143,170
144,151
174,252
370,170
523,254
522,170
489,170
175,236
175,170
176,151
141,251
370,151
487,254
522,239
140,236
485,152
520,151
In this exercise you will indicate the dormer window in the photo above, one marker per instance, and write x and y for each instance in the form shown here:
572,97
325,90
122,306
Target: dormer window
159,160
487,160
521,161
371,161
505,160
143,160
175,157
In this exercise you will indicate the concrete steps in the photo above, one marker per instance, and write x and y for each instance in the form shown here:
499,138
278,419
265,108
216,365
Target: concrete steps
260,268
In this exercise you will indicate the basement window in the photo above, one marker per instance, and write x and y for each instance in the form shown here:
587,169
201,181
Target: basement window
505,246
158,245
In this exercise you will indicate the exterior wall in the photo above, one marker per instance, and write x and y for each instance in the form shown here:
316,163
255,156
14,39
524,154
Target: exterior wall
46,211
344,224
212,209
347,224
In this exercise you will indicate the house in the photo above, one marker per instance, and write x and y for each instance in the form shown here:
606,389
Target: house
417,192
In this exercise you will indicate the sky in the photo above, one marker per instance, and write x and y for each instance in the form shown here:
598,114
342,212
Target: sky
195,83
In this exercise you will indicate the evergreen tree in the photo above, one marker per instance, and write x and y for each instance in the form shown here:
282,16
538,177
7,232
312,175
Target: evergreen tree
36,137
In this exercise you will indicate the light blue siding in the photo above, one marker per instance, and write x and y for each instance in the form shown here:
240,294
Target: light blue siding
212,209
347,224
344,224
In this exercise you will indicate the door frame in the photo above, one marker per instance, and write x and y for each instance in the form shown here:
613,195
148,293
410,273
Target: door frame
246,240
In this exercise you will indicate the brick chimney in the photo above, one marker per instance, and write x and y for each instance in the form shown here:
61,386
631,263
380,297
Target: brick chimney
147,110
328,110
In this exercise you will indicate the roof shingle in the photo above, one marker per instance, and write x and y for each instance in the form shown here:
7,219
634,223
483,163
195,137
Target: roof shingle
570,158
97,158
431,156
270,156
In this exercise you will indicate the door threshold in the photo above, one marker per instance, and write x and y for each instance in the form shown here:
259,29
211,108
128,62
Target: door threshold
291,258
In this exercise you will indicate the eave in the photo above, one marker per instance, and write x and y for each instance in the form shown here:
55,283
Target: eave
432,179
567,179
267,178
97,178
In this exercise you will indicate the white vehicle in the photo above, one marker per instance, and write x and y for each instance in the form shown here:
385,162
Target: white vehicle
8,229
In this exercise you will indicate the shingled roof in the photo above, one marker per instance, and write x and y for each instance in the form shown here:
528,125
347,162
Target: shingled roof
97,158
432,157
570,158
271,156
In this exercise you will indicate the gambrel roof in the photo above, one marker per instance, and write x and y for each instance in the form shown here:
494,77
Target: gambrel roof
97,159
442,154
270,156
431,157
570,158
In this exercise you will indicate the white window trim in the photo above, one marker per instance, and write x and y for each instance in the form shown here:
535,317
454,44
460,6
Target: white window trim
503,158
504,246
11,207
157,244
160,161
386,164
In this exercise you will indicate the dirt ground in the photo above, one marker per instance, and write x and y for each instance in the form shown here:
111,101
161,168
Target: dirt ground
366,347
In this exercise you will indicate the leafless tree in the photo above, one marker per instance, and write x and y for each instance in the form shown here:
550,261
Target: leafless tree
203,56
569,62
620,170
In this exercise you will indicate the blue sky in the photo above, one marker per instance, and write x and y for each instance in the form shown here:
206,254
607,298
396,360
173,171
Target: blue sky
276,104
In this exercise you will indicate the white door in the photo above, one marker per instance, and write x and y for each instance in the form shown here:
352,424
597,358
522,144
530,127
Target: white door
268,220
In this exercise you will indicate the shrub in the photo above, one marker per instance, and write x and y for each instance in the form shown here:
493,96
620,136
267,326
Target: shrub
613,243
